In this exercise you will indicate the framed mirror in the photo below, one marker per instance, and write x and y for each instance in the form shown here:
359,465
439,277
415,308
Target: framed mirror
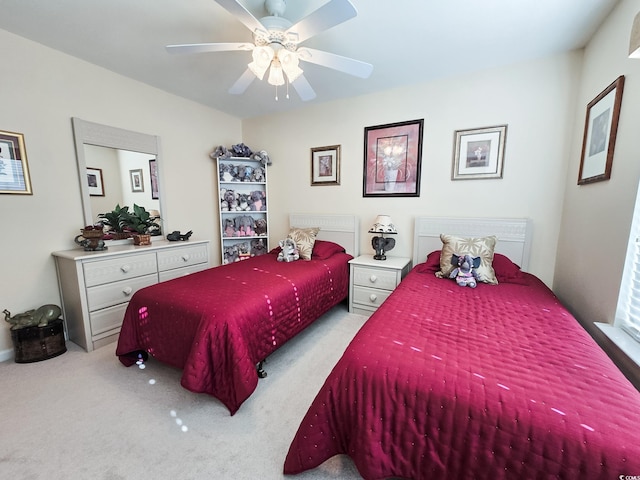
117,167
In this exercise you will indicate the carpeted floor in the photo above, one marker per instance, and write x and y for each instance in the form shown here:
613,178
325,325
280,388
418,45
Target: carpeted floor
86,416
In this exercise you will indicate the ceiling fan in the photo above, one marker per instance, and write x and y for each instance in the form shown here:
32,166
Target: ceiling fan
276,45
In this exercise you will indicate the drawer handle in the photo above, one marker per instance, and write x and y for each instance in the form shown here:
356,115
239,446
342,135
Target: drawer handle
373,297
125,268
185,257
127,291
373,279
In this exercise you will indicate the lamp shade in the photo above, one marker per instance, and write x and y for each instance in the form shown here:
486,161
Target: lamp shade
262,57
276,76
383,224
289,62
634,40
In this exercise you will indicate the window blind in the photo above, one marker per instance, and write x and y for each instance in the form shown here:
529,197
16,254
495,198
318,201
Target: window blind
628,311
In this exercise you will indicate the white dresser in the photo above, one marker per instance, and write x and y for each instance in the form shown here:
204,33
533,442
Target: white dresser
372,281
96,286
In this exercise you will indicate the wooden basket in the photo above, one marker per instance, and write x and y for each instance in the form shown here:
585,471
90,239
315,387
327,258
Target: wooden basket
33,344
141,239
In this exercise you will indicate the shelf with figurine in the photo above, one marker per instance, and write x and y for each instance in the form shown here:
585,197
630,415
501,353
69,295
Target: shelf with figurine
242,196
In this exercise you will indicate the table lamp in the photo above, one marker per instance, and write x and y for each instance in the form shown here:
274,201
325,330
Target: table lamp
382,226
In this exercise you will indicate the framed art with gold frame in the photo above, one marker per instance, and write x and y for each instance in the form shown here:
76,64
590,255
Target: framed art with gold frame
14,168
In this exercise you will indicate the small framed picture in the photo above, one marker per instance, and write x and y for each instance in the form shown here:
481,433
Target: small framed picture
325,165
137,184
95,182
600,130
153,174
478,153
14,169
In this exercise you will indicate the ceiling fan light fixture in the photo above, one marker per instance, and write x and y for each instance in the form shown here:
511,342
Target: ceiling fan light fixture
276,76
262,57
289,62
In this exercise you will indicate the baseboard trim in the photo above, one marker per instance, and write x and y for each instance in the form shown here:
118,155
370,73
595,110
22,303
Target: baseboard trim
6,355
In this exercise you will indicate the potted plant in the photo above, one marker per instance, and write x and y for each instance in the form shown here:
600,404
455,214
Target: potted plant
142,223
117,220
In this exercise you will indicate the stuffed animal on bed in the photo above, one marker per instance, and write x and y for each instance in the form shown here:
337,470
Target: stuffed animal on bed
465,272
288,251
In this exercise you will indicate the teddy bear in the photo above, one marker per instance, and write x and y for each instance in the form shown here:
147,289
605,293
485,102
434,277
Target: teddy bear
257,202
220,152
231,198
288,251
229,227
258,247
244,173
243,202
230,254
258,175
260,226
241,150
263,157
465,272
243,250
228,172
244,226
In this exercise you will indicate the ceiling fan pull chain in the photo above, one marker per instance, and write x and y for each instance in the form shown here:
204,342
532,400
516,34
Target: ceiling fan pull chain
287,89
276,93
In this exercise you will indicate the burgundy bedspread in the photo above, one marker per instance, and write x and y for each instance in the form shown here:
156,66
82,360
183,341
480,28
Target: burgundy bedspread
493,382
218,324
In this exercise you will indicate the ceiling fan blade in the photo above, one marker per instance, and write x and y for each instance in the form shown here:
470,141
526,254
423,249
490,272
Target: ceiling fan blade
208,47
329,15
302,86
336,62
242,83
236,9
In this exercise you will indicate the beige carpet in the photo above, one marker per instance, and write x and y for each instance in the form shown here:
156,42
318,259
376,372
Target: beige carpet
86,416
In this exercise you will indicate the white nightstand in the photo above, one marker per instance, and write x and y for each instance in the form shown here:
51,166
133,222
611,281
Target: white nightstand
372,281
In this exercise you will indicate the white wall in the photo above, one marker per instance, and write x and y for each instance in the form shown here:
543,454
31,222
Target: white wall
535,99
41,90
597,217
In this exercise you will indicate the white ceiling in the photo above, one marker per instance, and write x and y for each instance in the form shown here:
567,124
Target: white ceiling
407,41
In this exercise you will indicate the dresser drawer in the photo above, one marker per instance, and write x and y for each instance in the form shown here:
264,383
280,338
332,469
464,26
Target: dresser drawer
120,268
103,296
182,257
107,319
181,272
371,297
375,277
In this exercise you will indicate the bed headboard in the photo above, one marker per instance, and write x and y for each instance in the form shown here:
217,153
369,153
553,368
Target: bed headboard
514,235
341,229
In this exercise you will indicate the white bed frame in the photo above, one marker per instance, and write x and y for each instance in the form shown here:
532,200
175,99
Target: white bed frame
514,235
341,229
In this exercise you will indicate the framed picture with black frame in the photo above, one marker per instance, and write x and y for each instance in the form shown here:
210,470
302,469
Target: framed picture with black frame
392,159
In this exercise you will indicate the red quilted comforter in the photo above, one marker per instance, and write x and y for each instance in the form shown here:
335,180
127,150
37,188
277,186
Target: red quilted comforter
495,382
218,324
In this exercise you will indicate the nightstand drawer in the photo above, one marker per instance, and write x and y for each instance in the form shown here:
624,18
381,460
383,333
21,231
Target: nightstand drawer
371,297
375,277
